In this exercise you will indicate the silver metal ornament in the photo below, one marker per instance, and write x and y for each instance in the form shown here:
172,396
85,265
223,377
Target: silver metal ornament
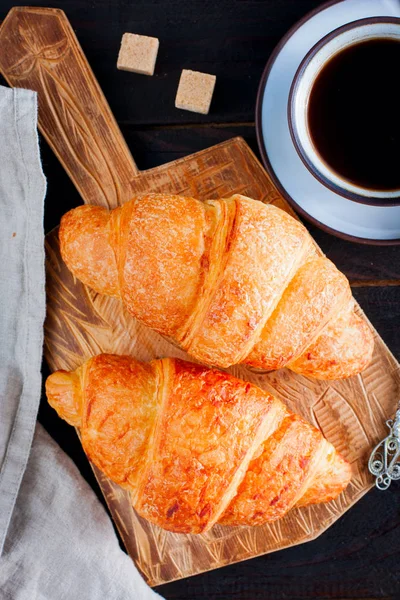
384,462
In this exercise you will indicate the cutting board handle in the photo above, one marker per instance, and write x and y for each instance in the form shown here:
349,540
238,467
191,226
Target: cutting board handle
39,51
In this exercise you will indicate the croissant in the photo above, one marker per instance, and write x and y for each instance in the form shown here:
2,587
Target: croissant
193,445
230,281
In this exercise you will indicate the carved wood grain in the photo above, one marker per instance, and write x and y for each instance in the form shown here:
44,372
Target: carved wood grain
80,323
39,51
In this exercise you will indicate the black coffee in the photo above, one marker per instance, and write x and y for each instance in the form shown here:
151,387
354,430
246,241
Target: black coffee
354,114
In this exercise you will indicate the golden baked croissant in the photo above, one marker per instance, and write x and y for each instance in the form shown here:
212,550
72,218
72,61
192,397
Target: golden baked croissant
194,445
230,281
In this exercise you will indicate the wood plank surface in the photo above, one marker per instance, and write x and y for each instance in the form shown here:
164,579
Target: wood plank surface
229,38
357,557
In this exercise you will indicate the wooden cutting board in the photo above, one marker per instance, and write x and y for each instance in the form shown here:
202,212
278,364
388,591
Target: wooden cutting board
39,51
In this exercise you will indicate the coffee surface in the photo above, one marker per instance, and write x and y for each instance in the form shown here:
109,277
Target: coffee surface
354,114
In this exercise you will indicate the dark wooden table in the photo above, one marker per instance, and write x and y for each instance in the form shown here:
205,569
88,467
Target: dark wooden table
357,558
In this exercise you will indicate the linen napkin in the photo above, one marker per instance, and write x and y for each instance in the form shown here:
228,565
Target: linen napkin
61,544
22,293
56,540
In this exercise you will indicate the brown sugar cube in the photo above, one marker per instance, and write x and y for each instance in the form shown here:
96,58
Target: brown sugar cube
195,91
138,53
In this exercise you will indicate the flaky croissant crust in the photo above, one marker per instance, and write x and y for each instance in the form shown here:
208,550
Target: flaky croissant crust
231,280
193,445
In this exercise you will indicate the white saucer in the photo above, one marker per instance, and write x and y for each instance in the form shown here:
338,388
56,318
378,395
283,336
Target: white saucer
329,211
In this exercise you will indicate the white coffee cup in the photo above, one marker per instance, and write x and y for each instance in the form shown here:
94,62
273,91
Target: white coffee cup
308,71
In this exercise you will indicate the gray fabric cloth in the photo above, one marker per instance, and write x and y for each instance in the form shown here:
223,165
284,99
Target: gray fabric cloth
61,544
56,540
22,293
